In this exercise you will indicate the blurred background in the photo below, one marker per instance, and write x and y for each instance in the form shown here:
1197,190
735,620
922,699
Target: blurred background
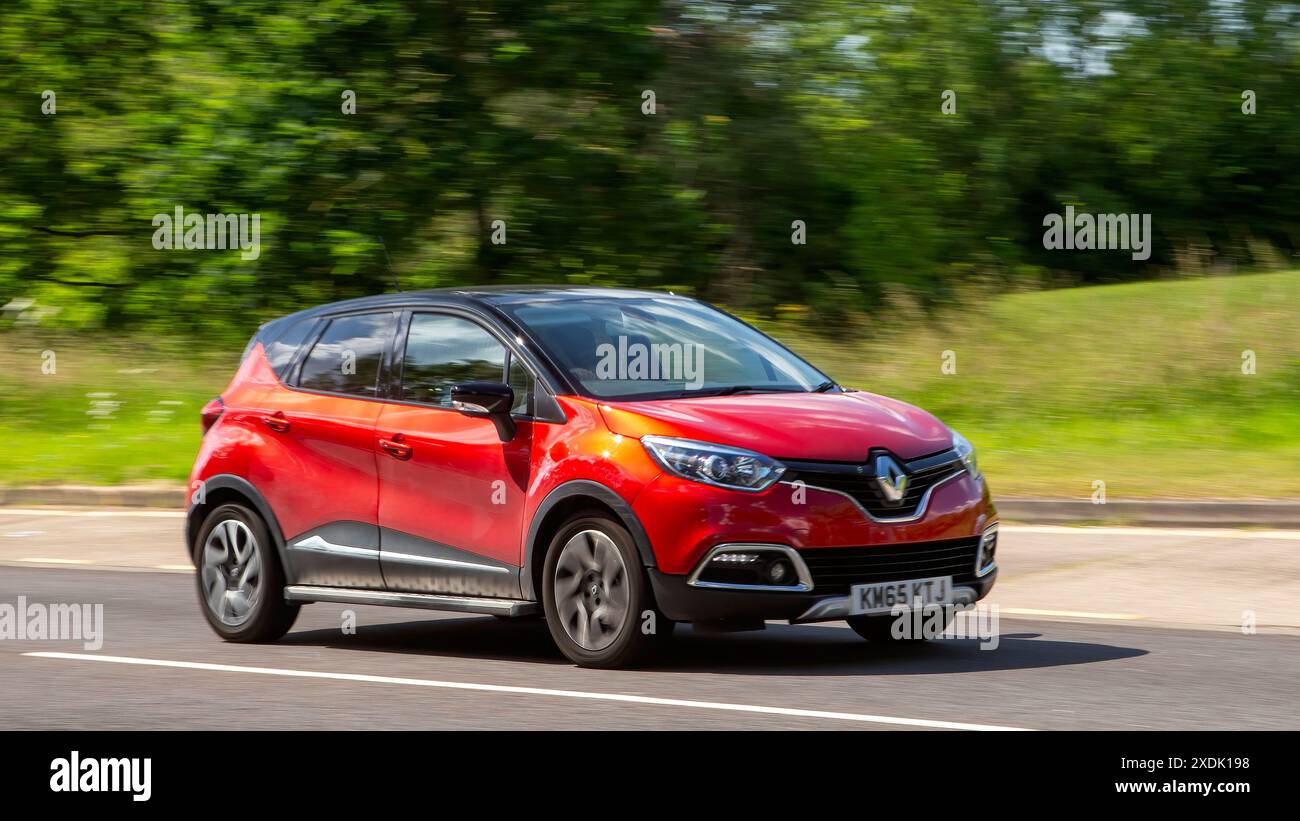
677,145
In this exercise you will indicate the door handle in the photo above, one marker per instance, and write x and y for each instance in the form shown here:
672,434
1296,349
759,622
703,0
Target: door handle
276,422
396,446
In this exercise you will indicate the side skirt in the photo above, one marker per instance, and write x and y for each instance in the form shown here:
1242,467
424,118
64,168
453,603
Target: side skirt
424,601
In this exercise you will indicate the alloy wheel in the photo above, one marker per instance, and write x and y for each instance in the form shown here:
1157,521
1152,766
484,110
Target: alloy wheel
231,572
591,590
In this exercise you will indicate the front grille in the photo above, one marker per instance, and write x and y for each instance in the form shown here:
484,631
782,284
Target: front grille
859,481
835,569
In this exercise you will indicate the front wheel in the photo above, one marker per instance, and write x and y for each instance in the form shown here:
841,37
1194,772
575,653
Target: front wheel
240,583
598,603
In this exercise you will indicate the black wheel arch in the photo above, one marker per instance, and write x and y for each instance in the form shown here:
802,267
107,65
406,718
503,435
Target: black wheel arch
558,506
227,488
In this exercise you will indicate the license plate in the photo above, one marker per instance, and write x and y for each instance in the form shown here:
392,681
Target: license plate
884,596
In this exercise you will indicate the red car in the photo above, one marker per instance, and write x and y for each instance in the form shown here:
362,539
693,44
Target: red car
616,461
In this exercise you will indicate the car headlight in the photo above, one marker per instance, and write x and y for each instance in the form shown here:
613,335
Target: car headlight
714,464
967,453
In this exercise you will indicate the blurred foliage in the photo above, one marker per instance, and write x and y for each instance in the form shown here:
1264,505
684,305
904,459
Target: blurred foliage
826,111
1140,385
1137,384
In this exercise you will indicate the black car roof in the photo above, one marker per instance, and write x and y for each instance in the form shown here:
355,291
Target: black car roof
481,294
487,296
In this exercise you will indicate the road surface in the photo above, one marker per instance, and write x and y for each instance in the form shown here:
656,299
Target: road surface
1099,628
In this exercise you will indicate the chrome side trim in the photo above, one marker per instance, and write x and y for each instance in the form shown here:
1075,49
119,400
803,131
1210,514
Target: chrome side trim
921,506
801,570
838,607
318,545
390,556
424,601
979,552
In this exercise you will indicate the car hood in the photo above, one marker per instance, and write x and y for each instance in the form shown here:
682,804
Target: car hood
840,427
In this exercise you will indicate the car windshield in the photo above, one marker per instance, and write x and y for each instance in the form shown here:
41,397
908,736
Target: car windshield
661,347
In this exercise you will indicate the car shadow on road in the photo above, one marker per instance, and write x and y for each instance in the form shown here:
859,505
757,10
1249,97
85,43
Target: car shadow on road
838,651
482,637
778,650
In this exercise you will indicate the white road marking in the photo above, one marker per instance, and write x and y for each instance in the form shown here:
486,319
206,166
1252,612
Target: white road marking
1192,532
1074,614
532,691
39,560
185,567
150,514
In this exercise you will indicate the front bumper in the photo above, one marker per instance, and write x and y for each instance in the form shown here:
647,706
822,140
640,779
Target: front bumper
684,520
680,601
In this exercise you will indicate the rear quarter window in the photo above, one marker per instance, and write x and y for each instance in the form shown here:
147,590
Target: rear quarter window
347,356
280,342
282,350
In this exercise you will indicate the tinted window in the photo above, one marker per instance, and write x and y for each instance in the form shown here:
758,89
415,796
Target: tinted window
346,358
660,347
280,350
442,351
522,381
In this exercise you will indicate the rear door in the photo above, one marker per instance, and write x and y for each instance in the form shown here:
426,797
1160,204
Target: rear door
316,459
451,493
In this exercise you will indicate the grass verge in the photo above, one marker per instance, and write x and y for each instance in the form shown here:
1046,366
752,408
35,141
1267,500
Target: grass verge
1139,386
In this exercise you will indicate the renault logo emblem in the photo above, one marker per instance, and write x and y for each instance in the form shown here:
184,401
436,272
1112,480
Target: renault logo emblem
892,478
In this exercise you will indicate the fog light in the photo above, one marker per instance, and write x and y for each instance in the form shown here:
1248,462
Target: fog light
753,567
778,571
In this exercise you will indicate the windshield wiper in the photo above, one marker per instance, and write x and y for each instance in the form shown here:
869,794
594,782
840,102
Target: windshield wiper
823,387
728,390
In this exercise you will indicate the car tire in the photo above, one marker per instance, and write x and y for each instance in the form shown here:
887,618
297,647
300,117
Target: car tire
238,577
596,595
880,629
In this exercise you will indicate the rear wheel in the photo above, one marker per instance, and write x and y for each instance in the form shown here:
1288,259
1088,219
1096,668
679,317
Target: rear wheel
240,582
598,602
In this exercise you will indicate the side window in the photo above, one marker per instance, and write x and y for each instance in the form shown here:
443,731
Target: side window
522,381
280,352
442,351
346,357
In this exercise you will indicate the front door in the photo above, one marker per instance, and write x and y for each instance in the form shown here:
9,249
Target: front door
451,493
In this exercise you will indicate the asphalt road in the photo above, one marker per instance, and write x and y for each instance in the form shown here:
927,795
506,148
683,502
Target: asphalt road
1044,675
1119,628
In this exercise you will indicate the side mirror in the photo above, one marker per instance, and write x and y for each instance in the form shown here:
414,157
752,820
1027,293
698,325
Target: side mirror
492,400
